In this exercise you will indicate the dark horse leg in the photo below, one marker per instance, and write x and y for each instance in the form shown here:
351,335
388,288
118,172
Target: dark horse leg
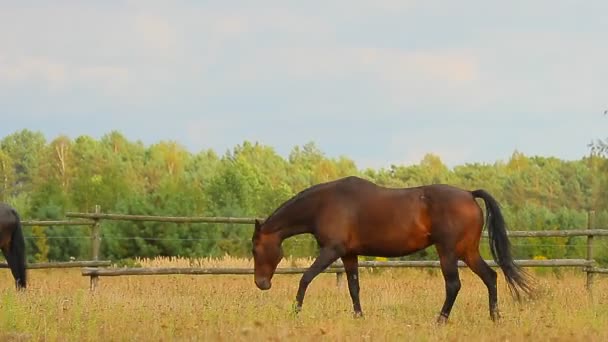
326,257
488,275
449,268
351,266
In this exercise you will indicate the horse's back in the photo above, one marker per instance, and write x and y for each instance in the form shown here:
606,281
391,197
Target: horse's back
368,198
448,199
7,214
365,193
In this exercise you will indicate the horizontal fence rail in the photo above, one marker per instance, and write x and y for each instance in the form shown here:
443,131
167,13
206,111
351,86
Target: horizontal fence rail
64,264
57,223
172,219
192,271
556,233
492,263
598,270
247,220
335,268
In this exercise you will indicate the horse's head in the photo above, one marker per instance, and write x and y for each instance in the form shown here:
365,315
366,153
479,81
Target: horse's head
267,253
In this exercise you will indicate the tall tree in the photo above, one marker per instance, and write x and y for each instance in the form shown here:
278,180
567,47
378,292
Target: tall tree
24,149
7,176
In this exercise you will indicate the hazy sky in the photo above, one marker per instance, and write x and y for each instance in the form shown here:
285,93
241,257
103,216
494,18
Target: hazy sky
378,81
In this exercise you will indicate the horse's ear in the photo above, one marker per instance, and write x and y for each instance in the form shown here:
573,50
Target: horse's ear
258,226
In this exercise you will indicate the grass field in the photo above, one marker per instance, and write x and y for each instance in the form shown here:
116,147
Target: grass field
399,305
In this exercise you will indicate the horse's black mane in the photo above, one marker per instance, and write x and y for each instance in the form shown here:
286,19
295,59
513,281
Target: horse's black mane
292,200
296,197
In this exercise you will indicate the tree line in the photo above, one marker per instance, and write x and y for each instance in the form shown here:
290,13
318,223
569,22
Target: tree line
44,179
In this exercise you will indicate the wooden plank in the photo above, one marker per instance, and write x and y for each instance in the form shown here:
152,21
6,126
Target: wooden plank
57,223
239,220
556,233
190,271
248,220
95,245
590,226
66,264
598,270
336,268
492,263
173,219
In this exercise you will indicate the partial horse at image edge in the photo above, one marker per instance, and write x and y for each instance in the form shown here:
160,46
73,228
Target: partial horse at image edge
12,244
352,216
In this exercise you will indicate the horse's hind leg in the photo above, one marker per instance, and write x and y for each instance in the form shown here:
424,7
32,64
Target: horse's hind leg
326,257
488,275
351,266
449,268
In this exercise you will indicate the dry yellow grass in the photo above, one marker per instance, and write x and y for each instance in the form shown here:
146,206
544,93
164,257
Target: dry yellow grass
400,305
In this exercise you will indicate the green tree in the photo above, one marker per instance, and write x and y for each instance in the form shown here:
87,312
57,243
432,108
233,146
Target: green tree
44,180
23,149
41,251
7,176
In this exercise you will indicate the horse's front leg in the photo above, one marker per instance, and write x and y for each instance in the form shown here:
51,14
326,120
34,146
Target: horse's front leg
326,257
351,266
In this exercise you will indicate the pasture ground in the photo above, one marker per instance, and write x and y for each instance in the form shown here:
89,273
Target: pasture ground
399,305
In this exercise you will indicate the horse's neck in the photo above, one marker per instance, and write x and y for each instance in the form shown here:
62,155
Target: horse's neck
293,219
289,228
290,231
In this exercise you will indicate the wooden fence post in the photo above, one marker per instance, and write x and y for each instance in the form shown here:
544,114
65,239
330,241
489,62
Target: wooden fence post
95,243
339,277
589,269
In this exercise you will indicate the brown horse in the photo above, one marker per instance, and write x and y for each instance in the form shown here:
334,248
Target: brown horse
12,243
352,216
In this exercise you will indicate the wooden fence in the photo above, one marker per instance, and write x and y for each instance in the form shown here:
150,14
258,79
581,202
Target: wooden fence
92,268
588,264
70,264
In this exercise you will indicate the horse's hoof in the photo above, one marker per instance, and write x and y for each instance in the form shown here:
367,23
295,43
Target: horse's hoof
495,316
358,314
442,319
296,308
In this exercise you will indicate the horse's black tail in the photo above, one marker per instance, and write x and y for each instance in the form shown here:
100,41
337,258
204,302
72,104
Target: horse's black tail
15,258
500,246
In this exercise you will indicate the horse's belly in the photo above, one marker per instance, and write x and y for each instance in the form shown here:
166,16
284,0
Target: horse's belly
393,245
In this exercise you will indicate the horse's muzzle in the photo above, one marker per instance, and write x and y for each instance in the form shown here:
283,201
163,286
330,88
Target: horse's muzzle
263,283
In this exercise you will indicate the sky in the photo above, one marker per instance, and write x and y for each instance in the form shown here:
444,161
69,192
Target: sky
381,82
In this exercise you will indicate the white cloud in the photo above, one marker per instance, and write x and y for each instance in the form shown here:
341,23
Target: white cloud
111,80
155,32
205,132
36,69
